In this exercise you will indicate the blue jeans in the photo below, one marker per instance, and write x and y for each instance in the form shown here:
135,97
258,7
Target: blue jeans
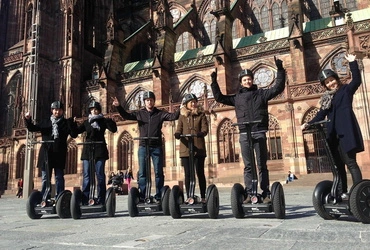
100,176
260,150
157,158
59,180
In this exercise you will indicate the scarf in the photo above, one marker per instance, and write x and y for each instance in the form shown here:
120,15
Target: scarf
327,98
54,124
93,118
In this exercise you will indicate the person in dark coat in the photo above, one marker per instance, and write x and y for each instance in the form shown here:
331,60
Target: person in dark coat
95,127
251,104
56,128
343,131
150,121
193,120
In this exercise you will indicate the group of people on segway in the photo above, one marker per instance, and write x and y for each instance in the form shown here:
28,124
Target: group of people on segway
251,108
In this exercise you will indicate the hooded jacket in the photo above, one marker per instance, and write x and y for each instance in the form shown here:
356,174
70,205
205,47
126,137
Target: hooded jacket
251,103
192,122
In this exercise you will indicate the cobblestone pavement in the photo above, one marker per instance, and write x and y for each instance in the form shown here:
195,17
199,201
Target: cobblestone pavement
301,229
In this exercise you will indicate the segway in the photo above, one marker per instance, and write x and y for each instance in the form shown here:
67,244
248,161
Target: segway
149,204
194,205
78,207
239,194
326,199
39,204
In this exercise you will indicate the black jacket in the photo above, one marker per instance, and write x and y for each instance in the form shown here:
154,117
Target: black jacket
343,122
57,152
93,134
150,123
251,103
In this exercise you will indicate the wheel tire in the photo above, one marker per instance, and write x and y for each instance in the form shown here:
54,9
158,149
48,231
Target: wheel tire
110,202
133,200
213,202
278,200
176,199
322,189
237,198
359,201
63,204
76,200
32,201
165,200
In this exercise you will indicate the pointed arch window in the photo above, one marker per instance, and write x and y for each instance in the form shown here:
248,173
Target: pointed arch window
125,151
227,138
71,163
274,140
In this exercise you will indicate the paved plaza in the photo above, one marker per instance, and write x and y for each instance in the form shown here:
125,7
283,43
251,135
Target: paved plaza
301,229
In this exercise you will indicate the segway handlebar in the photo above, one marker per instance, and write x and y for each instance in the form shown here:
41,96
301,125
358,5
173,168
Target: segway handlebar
146,138
43,142
188,135
246,123
90,142
317,123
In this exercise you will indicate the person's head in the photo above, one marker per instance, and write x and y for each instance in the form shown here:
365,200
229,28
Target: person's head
57,109
190,101
94,108
246,78
149,100
329,79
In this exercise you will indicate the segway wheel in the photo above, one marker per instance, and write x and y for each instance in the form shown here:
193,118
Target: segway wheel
165,200
32,201
322,190
176,199
63,204
133,200
75,204
213,201
359,201
237,198
110,202
278,200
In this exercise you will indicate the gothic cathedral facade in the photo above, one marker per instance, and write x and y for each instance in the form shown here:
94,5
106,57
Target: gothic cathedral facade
77,51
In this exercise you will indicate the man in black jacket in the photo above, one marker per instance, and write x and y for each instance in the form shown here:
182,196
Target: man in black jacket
150,121
251,104
56,128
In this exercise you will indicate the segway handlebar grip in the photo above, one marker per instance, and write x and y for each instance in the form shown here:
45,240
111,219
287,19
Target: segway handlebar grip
247,123
146,138
317,123
188,135
90,142
43,142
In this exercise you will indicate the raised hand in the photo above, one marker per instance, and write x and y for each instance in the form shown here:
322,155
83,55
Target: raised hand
115,101
27,116
214,75
278,63
350,57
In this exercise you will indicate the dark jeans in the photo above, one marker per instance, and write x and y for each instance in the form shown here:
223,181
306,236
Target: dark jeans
156,154
100,176
59,180
199,169
342,158
260,150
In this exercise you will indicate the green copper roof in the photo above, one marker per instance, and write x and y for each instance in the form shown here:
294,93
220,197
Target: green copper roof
358,15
